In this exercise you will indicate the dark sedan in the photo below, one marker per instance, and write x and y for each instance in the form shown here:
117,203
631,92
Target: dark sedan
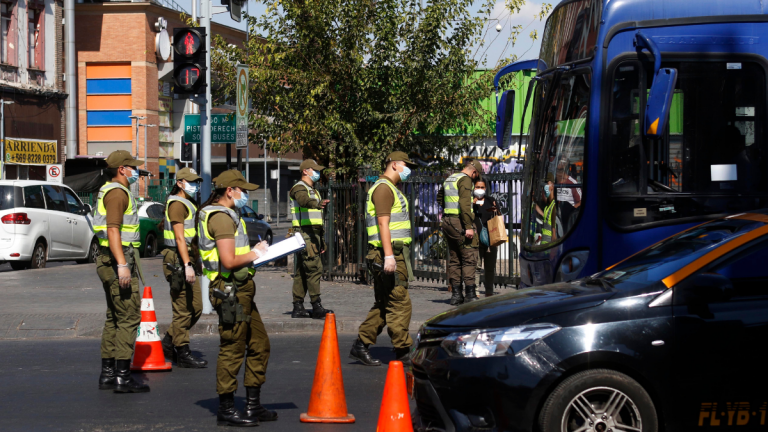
256,226
666,340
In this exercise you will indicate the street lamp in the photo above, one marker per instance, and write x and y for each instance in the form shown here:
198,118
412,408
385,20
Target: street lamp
146,182
3,103
135,186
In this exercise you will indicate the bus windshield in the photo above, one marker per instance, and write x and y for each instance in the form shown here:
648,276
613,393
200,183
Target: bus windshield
555,163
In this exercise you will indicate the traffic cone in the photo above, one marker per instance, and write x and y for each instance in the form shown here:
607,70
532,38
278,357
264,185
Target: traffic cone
395,413
148,353
327,404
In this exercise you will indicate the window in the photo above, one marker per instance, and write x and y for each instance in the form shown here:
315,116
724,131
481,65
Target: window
248,212
33,197
712,159
156,211
555,172
6,9
73,203
6,197
54,198
32,37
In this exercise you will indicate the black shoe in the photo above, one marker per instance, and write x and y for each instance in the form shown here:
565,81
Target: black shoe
107,377
229,416
185,359
470,293
124,380
360,352
168,347
403,355
299,311
253,408
318,311
457,297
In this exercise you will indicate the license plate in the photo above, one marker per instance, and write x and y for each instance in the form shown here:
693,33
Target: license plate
409,383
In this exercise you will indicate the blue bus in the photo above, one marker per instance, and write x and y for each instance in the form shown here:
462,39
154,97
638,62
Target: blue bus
648,117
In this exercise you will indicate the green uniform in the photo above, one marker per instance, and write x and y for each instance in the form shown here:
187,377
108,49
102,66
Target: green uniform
123,305
458,216
392,305
247,334
307,218
186,298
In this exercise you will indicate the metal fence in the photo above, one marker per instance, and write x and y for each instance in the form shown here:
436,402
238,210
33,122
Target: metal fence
158,190
347,240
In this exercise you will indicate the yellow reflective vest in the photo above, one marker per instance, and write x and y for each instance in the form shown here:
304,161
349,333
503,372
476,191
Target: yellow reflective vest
209,253
399,219
169,237
302,216
129,229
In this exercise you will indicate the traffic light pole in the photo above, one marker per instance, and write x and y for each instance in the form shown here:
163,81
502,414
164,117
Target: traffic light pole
205,114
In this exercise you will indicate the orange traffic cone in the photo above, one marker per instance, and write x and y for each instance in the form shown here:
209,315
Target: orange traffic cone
327,403
395,413
148,353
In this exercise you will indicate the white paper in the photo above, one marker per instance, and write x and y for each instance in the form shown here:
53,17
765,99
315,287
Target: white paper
281,249
723,172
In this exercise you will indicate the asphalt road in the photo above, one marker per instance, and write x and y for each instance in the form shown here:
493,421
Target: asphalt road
51,385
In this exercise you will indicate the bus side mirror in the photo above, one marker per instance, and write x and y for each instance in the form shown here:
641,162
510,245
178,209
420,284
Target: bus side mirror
504,118
660,102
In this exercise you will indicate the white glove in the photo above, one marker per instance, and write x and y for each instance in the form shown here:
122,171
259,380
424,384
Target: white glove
260,249
189,272
390,265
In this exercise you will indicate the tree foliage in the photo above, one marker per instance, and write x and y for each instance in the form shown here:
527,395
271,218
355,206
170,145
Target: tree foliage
348,81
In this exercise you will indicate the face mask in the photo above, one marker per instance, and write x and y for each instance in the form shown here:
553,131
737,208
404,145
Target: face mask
315,176
479,193
243,200
134,176
405,174
190,188
546,190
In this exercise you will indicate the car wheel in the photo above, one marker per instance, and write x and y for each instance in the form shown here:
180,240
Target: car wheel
19,265
268,237
39,258
150,246
598,400
93,253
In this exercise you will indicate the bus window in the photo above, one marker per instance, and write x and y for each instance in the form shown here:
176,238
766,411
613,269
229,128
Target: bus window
557,162
712,159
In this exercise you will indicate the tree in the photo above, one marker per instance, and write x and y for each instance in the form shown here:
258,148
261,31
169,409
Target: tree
348,81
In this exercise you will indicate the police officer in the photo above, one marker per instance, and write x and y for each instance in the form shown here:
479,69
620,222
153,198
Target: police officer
227,263
116,224
548,227
457,225
186,298
388,225
307,218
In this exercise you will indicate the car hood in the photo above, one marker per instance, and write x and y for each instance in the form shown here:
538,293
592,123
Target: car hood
522,306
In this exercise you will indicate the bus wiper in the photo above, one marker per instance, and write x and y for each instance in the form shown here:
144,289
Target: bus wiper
601,281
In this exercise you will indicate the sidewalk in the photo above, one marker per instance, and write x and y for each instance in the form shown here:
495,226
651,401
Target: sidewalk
68,301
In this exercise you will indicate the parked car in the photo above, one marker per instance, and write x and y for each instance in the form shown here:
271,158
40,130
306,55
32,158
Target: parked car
668,339
44,221
255,225
151,215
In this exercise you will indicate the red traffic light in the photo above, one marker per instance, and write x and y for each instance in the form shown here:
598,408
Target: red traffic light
187,42
187,76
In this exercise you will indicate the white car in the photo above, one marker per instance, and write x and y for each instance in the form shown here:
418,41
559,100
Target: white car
44,221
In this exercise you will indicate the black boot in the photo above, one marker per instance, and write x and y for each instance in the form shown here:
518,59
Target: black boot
253,408
299,311
403,355
168,347
126,383
185,359
229,416
360,352
107,377
470,293
457,297
318,311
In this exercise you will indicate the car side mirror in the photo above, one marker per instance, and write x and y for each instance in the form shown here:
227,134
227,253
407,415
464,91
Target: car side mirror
86,210
260,216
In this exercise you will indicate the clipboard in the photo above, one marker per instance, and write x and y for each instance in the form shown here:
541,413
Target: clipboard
281,249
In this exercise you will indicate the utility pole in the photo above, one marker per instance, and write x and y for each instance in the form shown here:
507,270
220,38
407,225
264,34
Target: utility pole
205,114
135,186
146,166
3,103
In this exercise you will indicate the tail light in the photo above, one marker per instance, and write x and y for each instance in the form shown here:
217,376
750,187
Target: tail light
16,219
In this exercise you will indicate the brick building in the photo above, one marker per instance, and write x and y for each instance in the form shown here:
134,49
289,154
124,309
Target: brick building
32,87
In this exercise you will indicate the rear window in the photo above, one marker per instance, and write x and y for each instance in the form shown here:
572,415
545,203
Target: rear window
6,197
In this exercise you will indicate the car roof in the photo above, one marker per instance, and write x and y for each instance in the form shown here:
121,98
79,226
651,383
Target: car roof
22,183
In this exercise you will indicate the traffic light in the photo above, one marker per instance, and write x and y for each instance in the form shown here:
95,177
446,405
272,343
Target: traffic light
189,60
186,151
235,8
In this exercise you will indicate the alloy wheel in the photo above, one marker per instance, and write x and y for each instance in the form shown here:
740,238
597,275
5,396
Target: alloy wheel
38,257
601,409
94,256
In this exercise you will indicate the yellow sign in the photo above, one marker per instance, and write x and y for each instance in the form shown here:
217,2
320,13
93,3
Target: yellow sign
31,152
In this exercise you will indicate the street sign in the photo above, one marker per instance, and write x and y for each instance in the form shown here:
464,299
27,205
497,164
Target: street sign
242,107
53,173
223,130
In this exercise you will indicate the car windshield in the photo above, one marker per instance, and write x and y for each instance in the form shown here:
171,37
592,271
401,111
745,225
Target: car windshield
666,257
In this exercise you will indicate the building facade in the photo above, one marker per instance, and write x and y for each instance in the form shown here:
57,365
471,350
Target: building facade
32,88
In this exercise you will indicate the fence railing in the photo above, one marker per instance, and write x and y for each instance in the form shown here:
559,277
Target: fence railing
158,190
347,240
